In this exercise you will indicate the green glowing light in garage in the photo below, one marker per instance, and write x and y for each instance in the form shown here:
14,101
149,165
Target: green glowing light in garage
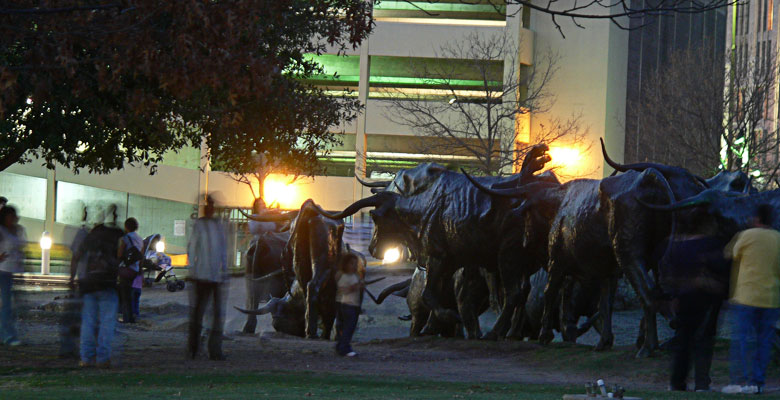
400,81
438,6
393,71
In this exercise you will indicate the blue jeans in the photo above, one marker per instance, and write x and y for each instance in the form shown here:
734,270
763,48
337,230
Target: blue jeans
136,297
7,323
346,324
98,320
758,324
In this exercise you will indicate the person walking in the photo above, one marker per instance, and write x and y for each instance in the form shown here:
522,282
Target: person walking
695,274
348,290
12,239
207,258
98,289
754,301
131,240
70,318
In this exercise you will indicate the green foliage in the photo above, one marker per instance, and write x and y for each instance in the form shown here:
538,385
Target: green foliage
98,86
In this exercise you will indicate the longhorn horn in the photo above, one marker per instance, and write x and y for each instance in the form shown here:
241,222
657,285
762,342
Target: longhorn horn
519,192
268,276
376,184
262,310
372,201
627,167
639,166
393,289
270,216
374,281
704,197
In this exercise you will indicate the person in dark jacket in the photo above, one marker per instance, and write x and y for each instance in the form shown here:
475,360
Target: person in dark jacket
98,288
694,272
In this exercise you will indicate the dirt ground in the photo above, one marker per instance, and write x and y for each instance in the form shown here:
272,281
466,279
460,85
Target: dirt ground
157,343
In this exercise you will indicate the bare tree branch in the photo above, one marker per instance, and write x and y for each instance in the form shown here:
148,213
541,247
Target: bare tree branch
695,114
478,122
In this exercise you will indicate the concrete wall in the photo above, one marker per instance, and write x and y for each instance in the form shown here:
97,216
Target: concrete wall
590,79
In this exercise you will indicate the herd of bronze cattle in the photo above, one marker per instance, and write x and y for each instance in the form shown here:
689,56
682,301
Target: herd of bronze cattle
540,252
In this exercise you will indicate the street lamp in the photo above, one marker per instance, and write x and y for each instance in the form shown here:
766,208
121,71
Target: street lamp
45,254
159,246
392,255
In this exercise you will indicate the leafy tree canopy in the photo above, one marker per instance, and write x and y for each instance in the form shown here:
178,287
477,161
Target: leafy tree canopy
97,84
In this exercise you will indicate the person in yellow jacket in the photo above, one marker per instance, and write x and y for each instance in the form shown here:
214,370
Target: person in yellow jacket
755,301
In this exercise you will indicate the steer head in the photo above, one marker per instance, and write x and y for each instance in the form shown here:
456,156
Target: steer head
682,182
389,229
732,181
728,212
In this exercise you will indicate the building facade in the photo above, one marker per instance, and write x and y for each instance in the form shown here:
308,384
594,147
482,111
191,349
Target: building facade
590,81
652,42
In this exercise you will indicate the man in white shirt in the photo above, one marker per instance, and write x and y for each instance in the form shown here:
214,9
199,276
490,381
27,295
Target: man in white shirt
207,258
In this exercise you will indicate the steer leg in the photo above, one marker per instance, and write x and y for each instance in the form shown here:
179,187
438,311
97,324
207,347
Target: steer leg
313,298
511,283
469,293
518,318
419,321
328,314
605,308
433,278
651,333
555,280
640,282
252,302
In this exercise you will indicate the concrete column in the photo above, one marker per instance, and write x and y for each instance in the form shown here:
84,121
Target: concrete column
512,75
51,201
360,135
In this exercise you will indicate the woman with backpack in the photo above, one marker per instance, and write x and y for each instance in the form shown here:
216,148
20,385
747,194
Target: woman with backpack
12,239
130,255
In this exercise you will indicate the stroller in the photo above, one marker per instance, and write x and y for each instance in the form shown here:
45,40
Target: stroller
159,263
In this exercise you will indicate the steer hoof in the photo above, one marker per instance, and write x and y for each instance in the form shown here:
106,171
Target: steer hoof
604,344
489,336
546,336
644,352
570,334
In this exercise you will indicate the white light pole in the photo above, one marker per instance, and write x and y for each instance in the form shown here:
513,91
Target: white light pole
45,255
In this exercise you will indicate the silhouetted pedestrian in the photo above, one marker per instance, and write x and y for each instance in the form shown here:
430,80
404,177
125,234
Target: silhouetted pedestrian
12,239
695,273
207,257
131,242
99,292
755,301
70,319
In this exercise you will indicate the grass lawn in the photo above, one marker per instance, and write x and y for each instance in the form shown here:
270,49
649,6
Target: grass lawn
83,384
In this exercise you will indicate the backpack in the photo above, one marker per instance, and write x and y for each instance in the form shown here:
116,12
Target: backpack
131,256
99,254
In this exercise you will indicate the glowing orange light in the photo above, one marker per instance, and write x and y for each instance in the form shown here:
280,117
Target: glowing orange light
566,161
278,190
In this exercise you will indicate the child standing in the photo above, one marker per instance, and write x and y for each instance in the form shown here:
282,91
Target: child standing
348,298
138,284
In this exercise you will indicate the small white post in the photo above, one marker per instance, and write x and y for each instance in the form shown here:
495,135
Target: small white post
45,253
